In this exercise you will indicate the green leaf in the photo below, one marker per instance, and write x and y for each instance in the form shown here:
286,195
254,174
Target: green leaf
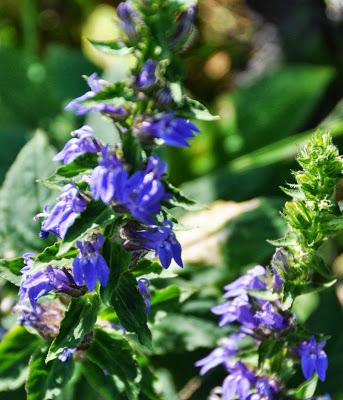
269,348
122,293
72,172
112,353
21,197
181,200
307,389
190,108
46,381
16,348
297,289
102,383
179,333
97,214
130,307
165,294
279,92
78,321
263,295
111,47
10,270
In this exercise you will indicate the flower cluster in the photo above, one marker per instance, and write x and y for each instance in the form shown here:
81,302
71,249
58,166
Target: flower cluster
129,180
259,320
260,303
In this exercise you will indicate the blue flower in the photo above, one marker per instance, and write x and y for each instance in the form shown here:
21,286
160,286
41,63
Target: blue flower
164,97
82,142
238,383
90,266
42,282
172,130
45,318
143,288
185,25
142,193
253,279
162,240
266,389
66,354
228,348
147,77
68,207
279,266
105,177
239,309
313,358
270,317
81,105
127,16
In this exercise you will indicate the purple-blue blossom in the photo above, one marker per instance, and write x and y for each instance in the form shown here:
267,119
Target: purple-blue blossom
185,25
313,358
265,389
140,194
221,355
45,318
66,354
164,97
146,79
90,266
127,16
237,310
105,176
70,204
82,105
162,240
143,288
172,130
42,282
270,317
143,192
82,141
279,266
239,382
253,279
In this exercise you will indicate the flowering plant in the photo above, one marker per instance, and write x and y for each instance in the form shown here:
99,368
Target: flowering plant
92,304
268,344
86,297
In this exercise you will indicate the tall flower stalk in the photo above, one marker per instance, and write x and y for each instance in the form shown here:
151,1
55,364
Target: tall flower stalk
88,294
269,347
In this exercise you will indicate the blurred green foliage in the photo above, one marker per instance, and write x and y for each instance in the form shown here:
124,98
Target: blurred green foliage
269,106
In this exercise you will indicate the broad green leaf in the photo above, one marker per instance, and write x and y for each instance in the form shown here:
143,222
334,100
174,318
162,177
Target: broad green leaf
12,139
102,383
78,321
263,295
269,348
111,47
122,293
179,199
112,353
307,389
280,92
130,307
16,348
21,197
165,294
190,108
46,381
184,333
72,172
97,214
10,270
